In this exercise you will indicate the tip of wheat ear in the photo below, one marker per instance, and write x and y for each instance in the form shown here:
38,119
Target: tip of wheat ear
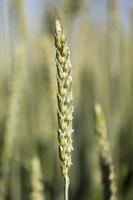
98,107
58,25
64,99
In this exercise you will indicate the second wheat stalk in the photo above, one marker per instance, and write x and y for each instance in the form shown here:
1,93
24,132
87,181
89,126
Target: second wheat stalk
106,160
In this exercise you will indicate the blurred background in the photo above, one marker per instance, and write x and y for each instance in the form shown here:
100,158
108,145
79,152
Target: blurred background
100,37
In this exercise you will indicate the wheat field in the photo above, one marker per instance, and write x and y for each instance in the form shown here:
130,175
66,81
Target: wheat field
66,93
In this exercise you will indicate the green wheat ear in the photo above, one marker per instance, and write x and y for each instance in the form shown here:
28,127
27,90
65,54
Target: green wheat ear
106,161
36,180
64,99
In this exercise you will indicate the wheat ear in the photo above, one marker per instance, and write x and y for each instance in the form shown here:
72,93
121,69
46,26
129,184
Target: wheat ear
108,173
64,100
36,180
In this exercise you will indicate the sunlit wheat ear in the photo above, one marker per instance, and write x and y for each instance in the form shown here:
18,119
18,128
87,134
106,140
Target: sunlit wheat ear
64,100
12,121
36,180
108,173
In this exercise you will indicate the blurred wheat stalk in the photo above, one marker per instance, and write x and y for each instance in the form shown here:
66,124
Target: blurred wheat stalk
16,91
12,121
106,161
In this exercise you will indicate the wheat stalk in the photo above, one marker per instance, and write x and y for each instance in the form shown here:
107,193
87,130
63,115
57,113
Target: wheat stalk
12,121
109,178
8,150
64,99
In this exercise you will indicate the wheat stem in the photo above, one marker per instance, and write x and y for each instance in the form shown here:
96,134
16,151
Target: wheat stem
66,188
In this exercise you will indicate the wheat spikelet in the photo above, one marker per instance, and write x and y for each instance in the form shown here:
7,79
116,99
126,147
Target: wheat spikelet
109,179
64,99
36,180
